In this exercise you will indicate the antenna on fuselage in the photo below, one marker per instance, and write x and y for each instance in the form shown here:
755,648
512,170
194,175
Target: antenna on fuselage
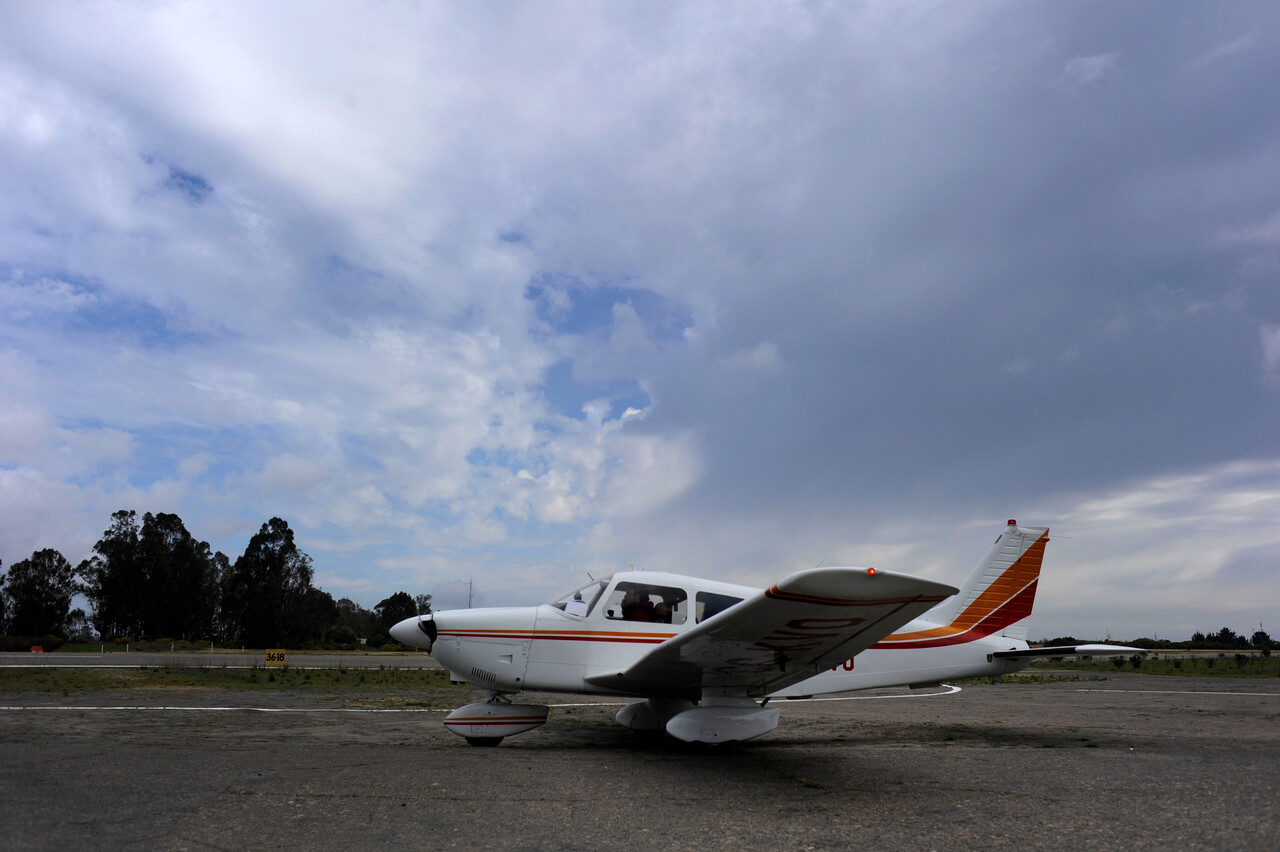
470,583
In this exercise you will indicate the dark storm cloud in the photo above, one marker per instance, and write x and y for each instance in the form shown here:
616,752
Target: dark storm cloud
1034,288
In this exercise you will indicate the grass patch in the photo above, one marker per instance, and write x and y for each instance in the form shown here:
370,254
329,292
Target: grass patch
68,681
1027,677
1205,665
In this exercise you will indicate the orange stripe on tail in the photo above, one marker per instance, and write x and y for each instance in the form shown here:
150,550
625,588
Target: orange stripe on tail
1007,600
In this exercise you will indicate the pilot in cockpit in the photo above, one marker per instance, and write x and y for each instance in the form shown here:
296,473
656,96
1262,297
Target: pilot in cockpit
577,606
636,606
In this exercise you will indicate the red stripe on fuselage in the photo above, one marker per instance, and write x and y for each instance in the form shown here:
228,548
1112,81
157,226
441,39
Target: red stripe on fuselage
632,639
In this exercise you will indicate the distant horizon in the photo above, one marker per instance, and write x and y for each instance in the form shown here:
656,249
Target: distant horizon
456,592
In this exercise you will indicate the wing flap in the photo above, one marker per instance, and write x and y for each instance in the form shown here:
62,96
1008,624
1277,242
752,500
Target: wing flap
806,623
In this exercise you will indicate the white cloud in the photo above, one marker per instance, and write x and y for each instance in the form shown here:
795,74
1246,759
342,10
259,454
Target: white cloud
1222,51
1167,544
288,473
23,300
1265,233
764,357
1086,70
1019,365
1270,335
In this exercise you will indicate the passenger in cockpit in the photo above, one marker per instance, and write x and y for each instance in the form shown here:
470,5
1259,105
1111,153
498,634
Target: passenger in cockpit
637,606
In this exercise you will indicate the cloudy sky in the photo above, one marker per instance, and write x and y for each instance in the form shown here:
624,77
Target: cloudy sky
514,292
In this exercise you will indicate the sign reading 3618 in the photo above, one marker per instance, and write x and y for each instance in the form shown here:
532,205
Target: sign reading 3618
275,657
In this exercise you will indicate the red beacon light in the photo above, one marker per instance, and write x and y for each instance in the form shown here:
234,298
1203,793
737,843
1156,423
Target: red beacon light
1012,522
871,572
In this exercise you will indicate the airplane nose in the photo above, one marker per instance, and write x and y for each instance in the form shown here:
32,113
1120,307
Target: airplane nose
417,632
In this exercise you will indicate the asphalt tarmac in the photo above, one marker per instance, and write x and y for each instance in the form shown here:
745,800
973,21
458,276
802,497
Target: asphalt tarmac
1127,762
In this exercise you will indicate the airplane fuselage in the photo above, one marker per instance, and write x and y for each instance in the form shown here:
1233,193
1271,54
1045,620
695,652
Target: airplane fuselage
548,649
706,656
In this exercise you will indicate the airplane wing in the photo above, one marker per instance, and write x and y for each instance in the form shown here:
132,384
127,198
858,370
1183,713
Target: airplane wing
807,623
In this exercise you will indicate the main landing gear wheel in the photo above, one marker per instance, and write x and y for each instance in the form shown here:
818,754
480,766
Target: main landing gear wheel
484,742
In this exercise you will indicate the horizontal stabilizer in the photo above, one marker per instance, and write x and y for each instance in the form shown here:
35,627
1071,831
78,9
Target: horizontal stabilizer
1068,651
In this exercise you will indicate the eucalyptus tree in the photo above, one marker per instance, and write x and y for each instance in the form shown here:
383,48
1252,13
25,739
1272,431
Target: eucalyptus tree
152,580
265,594
114,580
38,594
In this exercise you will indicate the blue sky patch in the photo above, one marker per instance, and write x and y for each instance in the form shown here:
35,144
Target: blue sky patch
191,185
143,323
567,395
571,307
496,457
70,303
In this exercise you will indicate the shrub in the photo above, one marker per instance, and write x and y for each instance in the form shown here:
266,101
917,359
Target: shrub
52,643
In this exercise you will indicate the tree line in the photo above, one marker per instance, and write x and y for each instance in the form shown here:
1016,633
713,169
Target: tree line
151,580
1223,640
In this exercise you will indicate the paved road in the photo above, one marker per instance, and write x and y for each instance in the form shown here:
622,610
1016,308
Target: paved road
220,660
1129,762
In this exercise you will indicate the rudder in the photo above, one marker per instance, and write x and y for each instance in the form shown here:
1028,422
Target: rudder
1002,587
994,600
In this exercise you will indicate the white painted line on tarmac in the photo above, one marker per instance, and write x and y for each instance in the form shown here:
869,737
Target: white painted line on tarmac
1181,692
948,689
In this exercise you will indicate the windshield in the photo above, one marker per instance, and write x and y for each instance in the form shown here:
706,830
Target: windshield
581,600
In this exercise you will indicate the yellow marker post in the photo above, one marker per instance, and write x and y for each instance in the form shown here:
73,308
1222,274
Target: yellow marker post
275,657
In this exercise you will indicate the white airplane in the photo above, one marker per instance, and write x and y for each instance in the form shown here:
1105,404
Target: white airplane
706,657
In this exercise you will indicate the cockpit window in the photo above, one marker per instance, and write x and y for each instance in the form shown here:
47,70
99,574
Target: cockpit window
709,604
632,601
580,601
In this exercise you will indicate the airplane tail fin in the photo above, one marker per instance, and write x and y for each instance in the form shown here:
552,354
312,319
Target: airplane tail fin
996,598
